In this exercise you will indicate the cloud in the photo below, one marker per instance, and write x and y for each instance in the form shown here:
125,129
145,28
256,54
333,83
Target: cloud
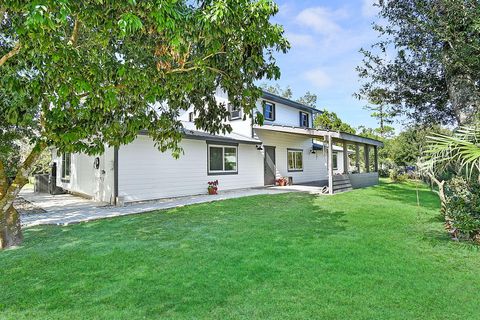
322,20
318,77
300,40
369,9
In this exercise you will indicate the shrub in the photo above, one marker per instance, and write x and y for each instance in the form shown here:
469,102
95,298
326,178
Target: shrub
383,173
397,175
462,208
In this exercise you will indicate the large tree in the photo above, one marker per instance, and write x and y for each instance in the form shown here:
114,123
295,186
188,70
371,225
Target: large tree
329,120
426,63
82,75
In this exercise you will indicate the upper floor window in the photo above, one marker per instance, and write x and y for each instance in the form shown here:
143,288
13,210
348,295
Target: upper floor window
66,163
269,111
304,119
191,117
235,112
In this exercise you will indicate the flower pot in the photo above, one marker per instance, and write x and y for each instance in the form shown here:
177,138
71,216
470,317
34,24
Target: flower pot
212,191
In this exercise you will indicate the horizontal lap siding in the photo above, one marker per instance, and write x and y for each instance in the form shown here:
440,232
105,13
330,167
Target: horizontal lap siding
146,173
314,165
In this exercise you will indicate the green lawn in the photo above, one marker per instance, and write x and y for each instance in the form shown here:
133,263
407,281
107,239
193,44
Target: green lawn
366,254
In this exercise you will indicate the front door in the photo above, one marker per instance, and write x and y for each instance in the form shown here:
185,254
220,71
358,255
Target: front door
269,166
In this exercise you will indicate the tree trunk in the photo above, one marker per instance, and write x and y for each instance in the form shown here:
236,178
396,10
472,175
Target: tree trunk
465,98
10,228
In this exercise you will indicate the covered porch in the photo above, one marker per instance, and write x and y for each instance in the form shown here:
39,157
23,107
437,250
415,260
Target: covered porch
360,160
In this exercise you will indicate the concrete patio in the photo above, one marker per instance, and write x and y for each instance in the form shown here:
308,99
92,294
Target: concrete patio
66,208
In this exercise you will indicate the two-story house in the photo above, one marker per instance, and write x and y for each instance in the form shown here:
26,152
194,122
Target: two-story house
286,145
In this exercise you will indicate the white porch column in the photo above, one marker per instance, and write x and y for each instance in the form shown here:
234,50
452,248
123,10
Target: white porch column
330,165
375,151
345,157
367,158
357,157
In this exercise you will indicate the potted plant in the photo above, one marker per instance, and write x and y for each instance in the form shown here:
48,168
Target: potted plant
281,181
213,187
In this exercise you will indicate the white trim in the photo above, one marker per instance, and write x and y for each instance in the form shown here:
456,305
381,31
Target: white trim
223,147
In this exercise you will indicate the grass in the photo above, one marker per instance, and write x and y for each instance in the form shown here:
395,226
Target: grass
366,254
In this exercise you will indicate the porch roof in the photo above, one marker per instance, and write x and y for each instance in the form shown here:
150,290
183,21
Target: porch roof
317,133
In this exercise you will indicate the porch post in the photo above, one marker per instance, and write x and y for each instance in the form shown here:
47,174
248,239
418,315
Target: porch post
375,152
345,157
367,158
357,157
330,165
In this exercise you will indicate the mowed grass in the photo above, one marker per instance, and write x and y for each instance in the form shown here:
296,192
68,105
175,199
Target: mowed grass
366,254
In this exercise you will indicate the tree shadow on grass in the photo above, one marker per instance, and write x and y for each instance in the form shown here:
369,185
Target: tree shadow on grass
407,195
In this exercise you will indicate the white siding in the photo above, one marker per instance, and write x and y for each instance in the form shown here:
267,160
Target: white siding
85,179
314,165
285,115
146,173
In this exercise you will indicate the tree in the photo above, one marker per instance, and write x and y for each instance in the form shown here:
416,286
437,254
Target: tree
330,121
308,99
82,75
426,64
277,90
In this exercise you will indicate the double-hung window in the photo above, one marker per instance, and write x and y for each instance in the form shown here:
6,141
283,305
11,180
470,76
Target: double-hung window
335,160
66,163
295,160
235,112
222,159
269,111
304,120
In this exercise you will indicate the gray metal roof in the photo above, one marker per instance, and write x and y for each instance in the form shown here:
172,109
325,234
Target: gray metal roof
294,104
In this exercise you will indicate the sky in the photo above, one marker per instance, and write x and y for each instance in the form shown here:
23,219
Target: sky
325,38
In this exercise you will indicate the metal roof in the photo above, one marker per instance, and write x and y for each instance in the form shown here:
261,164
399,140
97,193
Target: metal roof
294,104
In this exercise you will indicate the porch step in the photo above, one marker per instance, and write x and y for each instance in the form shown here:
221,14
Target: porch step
341,183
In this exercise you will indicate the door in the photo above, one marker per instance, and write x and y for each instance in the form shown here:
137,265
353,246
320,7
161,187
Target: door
269,166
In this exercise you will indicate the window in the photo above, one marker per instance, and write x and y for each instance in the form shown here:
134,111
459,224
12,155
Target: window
66,161
304,119
222,159
235,112
269,111
295,160
191,117
335,160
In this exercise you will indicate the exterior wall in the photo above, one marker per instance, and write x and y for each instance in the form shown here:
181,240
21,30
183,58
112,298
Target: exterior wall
314,165
146,173
285,115
85,179
361,180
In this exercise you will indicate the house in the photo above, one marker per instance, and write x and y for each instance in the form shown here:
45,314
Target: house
286,145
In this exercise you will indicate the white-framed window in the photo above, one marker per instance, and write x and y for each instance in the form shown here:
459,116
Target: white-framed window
295,159
222,159
304,119
191,116
269,111
235,112
66,165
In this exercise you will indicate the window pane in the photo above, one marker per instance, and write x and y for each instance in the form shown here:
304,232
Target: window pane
335,161
68,161
230,159
299,160
216,155
291,160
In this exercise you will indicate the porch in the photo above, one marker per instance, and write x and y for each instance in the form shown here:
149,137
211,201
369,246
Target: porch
360,157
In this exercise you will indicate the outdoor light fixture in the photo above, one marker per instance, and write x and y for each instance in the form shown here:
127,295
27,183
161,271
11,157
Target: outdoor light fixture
259,147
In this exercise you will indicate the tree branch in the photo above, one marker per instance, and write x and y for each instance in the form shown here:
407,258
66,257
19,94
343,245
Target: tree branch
74,36
10,54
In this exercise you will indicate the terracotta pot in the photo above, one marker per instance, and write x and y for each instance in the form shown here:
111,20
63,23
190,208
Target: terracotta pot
281,183
212,191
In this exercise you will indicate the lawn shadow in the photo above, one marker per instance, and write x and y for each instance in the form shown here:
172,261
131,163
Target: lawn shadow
400,192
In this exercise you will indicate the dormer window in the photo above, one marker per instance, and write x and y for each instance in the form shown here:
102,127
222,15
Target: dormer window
269,111
304,120
235,112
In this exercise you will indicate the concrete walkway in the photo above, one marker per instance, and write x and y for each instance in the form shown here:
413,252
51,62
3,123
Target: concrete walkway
66,209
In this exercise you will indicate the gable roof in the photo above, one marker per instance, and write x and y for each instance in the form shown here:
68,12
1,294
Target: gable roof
294,104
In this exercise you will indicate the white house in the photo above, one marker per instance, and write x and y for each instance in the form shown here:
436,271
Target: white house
251,156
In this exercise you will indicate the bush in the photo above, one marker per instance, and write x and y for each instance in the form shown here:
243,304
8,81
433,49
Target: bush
397,175
383,173
462,208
